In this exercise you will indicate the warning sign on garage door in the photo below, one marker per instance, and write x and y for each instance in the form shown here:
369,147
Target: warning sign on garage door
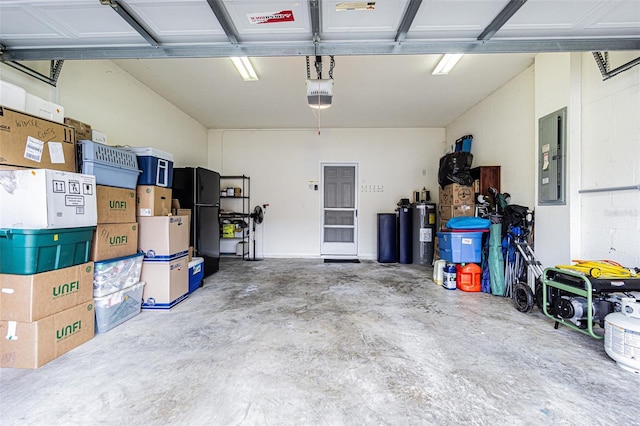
270,18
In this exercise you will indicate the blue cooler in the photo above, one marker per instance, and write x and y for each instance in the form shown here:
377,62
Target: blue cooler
196,273
156,166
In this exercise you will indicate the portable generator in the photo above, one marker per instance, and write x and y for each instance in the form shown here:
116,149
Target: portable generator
581,301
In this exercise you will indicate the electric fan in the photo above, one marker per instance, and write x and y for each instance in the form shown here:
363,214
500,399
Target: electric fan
257,216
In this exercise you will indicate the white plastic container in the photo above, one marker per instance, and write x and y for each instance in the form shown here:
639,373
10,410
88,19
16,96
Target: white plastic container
438,271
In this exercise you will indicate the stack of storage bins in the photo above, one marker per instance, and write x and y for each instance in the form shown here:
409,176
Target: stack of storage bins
116,286
163,239
47,221
460,248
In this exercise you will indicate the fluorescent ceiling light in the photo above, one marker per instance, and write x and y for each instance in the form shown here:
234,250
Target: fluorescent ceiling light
446,64
244,68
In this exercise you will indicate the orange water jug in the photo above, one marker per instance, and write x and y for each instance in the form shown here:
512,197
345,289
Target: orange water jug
468,277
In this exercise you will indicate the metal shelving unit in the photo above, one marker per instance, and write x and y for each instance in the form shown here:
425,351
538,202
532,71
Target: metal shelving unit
235,208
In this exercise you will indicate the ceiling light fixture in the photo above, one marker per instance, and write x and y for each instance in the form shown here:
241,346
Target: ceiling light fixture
319,90
244,67
446,64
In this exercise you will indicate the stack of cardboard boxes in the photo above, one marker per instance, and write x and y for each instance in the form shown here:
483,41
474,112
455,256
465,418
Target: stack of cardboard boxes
163,237
455,201
47,220
117,289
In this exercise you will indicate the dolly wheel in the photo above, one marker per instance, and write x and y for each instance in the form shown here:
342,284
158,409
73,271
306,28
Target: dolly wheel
523,297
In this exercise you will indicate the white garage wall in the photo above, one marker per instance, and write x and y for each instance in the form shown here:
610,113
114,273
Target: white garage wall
610,226
283,163
102,94
603,141
553,92
502,126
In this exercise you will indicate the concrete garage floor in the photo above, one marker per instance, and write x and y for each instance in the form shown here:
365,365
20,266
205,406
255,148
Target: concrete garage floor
301,342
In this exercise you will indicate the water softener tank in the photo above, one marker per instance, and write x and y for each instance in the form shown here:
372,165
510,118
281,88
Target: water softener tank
404,235
387,238
423,230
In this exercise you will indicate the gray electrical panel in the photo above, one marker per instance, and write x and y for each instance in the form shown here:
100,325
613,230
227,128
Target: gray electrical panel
552,138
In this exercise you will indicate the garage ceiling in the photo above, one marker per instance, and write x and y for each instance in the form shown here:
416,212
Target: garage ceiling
384,50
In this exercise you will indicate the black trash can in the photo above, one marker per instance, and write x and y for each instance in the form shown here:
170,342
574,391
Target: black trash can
387,238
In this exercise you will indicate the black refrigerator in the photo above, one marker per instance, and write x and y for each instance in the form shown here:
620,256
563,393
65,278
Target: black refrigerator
198,189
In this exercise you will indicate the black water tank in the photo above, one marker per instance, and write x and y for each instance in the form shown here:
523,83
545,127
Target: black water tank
387,238
405,239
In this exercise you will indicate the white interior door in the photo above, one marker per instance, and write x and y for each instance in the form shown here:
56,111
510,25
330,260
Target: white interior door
339,210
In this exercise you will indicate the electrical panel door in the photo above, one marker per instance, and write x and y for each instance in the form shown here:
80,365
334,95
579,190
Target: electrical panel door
552,135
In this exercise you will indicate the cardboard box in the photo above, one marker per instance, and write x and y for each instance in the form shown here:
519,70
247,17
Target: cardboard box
116,205
456,194
29,141
163,238
153,200
447,212
113,240
167,283
29,298
33,344
83,130
47,199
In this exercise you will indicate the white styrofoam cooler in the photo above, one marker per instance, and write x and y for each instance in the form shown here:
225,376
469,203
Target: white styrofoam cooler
39,107
12,96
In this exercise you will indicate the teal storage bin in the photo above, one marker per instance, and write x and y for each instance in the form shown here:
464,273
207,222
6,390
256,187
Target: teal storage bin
32,251
460,247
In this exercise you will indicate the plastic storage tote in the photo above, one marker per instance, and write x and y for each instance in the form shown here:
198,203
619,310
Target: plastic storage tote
460,247
116,308
32,251
156,166
196,273
115,274
110,165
